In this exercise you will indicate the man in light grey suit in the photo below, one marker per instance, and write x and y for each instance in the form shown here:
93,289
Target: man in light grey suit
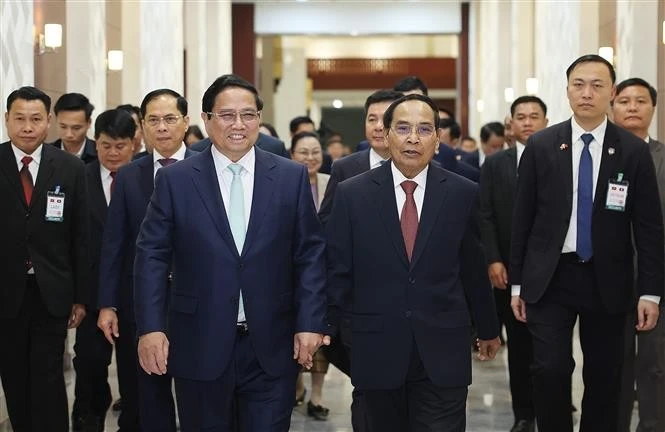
633,108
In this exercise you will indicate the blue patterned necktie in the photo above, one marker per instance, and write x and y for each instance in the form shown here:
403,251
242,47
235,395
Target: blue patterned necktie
237,220
585,200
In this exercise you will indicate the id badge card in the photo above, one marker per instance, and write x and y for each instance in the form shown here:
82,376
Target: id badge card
617,193
55,206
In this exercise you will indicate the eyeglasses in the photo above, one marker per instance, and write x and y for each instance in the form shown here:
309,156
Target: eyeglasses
169,120
305,153
422,130
229,117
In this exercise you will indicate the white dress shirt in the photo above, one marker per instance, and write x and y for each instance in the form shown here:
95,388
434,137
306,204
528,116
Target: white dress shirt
520,150
481,156
34,165
105,175
225,177
418,193
375,160
178,155
79,152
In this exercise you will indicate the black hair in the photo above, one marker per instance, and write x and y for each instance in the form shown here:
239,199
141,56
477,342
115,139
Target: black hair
592,58
300,135
388,115
297,121
116,123
181,102
382,96
528,99
221,84
489,129
74,102
447,111
455,129
637,82
271,128
29,93
132,109
196,131
410,83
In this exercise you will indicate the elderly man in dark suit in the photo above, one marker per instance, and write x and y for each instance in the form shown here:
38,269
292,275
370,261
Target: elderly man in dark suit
585,187
44,265
406,276
498,179
633,109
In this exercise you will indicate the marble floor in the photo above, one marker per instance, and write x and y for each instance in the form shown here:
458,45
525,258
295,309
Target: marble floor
488,407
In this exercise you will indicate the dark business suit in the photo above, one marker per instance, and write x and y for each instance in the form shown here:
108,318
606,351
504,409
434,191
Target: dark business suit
556,288
214,366
414,317
362,145
34,310
448,158
344,168
93,353
647,368
89,150
472,159
498,179
264,142
148,397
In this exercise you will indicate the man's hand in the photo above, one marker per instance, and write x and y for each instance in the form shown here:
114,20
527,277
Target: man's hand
519,308
77,315
108,323
487,349
498,275
647,315
153,353
305,345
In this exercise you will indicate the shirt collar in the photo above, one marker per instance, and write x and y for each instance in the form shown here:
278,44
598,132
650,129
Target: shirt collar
103,171
374,158
79,153
398,177
178,155
19,154
598,133
247,161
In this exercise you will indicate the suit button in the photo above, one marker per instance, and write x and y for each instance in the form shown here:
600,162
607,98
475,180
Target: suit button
27,215
241,266
412,281
407,314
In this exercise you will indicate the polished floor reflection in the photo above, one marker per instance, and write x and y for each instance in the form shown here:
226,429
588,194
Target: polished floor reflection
488,408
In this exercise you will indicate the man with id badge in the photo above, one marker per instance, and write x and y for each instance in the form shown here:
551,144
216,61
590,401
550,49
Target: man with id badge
585,189
44,263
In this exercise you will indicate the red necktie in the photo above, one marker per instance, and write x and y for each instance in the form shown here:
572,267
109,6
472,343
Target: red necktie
409,220
167,161
113,173
26,179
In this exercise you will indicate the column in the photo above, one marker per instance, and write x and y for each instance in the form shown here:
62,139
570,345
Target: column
522,45
291,95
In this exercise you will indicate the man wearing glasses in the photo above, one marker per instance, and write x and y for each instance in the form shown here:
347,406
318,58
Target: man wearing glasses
406,276
248,293
147,398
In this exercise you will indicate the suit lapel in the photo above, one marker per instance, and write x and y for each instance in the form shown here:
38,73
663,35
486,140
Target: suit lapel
511,167
9,167
563,148
98,199
207,185
435,196
607,164
384,196
46,170
656,148
265,171
146,176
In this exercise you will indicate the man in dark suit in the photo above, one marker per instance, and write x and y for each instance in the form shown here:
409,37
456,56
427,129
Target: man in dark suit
447,155
240,309
633,108
146,398
492,140
498,180
572,254
114,131
44,263
264,142
73,112
406,276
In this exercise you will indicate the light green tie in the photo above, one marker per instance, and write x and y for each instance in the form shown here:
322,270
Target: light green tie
237,221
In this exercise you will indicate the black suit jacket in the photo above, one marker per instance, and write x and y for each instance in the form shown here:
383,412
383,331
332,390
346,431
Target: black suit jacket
498,179
344,168
472,159
97,210
383,304
264,142
59,250
448,158
542,214
89,150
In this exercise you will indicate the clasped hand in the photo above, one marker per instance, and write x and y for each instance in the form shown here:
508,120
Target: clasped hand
305,345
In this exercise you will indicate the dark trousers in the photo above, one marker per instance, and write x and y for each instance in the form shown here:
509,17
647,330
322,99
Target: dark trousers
93,357
243,399
33,345
520,356
418,405
573,293
644,366
126,359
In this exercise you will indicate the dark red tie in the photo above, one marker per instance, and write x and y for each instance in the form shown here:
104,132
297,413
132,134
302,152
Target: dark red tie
409,220
167,161
26,179
113,173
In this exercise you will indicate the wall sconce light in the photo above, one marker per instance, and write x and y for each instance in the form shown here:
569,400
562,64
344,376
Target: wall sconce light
607,53
337,103
50,39
115,60
509,94
480,105
532,86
